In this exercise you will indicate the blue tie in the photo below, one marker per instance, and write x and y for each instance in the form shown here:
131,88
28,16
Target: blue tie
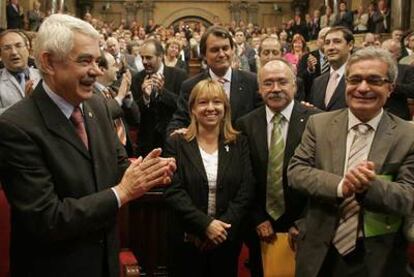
22,80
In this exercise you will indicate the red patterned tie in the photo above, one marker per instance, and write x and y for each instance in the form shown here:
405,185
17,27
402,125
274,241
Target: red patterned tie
78,122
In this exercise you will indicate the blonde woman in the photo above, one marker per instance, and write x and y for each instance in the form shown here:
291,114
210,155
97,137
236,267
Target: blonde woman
211,190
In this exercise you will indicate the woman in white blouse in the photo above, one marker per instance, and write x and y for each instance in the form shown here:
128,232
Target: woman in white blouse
211,190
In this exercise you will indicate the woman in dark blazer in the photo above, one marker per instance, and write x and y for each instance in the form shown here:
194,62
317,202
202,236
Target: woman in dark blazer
211,190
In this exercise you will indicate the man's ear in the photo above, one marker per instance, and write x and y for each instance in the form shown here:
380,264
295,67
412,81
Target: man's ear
47,63
392,88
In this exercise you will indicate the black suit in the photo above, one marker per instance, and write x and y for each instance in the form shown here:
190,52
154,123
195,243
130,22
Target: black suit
130,116
404,88
63,210
318,90
14,18
307,76
243,97
156,115
254,126
188,198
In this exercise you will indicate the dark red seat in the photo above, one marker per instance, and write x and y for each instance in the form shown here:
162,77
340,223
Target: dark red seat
4,234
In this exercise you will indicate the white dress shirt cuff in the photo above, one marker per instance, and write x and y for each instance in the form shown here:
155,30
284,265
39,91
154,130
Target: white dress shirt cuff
339,191
117,197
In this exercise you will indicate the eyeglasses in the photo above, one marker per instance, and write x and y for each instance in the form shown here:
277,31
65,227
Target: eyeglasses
268,84
9,47
372,80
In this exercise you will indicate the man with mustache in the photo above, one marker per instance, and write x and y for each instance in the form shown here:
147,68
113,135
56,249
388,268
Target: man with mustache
216,47
62,167
17,79
356,167
277,86
328,90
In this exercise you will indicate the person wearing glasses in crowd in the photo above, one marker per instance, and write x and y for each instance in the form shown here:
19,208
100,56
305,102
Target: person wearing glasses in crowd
355,165
211,192
17,79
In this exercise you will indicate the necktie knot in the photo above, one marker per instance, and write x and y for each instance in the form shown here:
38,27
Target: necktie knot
76,116
222,80
362,129
277,118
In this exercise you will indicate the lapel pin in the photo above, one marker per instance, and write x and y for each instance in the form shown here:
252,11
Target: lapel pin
301,120
90,114
227,148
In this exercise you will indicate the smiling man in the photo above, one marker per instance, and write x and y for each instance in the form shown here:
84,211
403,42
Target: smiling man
276,206
64,171
327,92
17,80
356,165
216,47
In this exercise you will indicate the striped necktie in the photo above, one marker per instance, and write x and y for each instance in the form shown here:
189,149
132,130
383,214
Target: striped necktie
347,231
275,201
325,65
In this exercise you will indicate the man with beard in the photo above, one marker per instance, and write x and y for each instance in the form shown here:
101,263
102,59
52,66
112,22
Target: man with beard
276,205
17,79
328,90
216,47
156,90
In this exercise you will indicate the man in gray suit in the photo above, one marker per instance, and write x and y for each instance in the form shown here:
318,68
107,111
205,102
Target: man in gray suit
327,92
16,78
356,165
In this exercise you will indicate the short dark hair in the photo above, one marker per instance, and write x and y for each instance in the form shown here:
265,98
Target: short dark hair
131,45
349,37
159,50
217,31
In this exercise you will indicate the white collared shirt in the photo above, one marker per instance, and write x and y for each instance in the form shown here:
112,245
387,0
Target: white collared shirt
352,122
63,105
286,113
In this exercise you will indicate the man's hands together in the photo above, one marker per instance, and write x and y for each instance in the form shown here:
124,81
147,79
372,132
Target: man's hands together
144,174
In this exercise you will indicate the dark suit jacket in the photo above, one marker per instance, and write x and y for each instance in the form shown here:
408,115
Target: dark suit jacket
347,20
188,193
254,126
244,97
63,210
317,168
130,116
14,19
157,114
404,88
307,76
317,95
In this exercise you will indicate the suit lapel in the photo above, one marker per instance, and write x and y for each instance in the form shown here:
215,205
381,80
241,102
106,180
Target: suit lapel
321,91
295,129
9,77
91,125
236,88
338,131
56,121
383,141
192,152
260,135
225,152
339,91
